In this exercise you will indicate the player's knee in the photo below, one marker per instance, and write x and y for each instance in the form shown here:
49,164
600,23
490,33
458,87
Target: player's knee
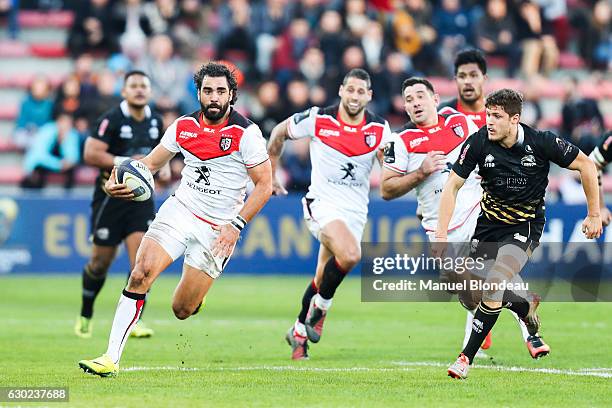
181,312
349,258
97,268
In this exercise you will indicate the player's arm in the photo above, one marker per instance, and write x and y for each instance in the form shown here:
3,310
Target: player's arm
279,134
591,226
448,199
261,175
158,158
395,184
601,156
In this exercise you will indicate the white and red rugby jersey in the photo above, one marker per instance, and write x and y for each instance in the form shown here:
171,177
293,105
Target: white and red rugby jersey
409,148
342,155
214,179
479,118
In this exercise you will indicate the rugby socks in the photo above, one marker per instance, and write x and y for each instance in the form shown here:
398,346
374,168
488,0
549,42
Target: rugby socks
517,304
91,287
310,291
522,326
333,275
484,320
126,316
468,327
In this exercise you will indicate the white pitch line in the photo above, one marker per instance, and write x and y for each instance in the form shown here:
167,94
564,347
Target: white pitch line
405,366
271,368
587,372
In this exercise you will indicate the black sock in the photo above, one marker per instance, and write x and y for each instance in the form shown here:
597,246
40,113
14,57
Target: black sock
310,291
517,304
484,320
91,287
332,278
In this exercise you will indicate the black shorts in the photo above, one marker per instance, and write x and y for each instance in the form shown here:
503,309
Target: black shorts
489,236
112,219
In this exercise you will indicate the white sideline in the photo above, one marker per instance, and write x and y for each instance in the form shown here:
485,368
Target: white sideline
588,372
403,366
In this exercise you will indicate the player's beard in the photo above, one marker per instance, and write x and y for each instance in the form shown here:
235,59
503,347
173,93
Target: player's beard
350,113
214,116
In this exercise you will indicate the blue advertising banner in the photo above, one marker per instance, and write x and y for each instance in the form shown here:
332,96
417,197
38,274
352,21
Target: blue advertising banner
44,235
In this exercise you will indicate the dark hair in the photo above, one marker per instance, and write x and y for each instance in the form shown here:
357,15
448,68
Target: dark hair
134,72
471,56
215,70
359,74
417,80
509,100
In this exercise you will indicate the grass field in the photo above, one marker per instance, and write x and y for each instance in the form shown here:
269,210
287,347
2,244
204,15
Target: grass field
233,353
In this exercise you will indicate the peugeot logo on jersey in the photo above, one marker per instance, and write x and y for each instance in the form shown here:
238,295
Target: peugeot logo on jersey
370,140
349,171
203,175
225,143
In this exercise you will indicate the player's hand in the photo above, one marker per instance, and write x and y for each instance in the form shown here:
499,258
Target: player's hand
591,226
225,242
606,216
439,247
117,190
434,161
277,188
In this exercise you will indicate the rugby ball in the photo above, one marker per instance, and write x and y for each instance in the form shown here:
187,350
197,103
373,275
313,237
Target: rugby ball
137,177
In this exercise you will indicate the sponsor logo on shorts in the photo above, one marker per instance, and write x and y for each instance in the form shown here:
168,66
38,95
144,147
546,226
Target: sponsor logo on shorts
520,238
102,233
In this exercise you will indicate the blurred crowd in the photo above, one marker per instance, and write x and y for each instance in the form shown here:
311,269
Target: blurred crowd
292,54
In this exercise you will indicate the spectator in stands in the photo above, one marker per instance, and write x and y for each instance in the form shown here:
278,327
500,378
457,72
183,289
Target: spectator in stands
332,40
356,18
161,14
297,97
415,37
68,98
84,73
167,73
296,162
387,85
591,21
531,114
35,111
55,149
496,35
94,29
602,35
291,48
134,23
454,28
106,98
374,46
10,9
269,20
582,122
234,41
311,10
312,67
538,44
267,111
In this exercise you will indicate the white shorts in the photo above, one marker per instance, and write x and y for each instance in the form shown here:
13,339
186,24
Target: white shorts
462,235
180,232
317,214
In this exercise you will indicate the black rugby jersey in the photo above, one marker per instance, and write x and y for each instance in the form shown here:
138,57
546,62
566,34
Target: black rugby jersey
126,136
514,180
